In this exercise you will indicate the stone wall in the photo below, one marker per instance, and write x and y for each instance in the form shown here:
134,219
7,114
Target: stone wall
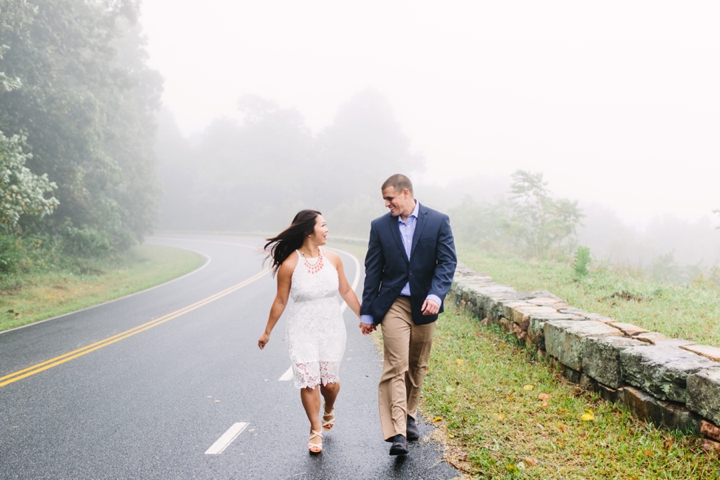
670,382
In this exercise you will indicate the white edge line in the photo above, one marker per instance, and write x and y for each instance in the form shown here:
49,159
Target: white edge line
226,439
356,280
120,298
207,262
287,376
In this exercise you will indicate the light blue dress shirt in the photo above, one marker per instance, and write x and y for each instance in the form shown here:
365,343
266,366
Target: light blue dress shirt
407,231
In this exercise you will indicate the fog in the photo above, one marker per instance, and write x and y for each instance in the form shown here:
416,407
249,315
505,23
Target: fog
616,103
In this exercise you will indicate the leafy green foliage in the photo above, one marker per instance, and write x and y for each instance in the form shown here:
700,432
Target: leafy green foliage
86,107
530,221
14,14
582,260
539,222
21,191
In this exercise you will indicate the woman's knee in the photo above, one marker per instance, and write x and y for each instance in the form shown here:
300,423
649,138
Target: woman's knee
331,387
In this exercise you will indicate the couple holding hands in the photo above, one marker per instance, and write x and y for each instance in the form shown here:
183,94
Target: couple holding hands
409,269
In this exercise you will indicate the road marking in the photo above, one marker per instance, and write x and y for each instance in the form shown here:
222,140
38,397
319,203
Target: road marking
54,362
287,376
207,262
227,438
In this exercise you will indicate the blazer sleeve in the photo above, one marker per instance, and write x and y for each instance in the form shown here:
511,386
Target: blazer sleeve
446,259
374,262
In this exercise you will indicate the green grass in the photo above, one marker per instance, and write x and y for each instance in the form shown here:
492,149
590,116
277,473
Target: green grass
484,391
43,294
691,312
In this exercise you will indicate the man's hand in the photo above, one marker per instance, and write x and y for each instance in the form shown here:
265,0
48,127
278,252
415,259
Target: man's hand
429,307
367,328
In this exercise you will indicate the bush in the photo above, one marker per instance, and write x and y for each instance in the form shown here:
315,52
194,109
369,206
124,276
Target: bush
11,253
582,260
86,242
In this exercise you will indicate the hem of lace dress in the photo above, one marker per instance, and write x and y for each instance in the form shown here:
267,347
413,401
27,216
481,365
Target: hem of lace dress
324,382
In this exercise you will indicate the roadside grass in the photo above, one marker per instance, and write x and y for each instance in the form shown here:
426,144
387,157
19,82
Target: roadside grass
690,312
43,294
507,415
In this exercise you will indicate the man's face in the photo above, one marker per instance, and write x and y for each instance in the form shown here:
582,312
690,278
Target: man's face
399,203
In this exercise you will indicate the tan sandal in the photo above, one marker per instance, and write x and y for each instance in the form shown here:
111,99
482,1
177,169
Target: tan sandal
315,447
328,419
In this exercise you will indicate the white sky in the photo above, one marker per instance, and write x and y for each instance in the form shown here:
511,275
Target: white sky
617,102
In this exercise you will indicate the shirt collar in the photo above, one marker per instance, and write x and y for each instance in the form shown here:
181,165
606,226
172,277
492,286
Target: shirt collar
414,212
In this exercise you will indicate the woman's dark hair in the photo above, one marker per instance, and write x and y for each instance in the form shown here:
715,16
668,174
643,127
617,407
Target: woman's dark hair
280,247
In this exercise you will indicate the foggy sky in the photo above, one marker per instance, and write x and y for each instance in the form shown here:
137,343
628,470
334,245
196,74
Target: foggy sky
616,102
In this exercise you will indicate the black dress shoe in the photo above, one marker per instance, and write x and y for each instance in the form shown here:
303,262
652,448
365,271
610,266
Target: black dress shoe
413,433
399,445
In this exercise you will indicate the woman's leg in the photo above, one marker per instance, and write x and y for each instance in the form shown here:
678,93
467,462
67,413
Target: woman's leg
311,402
330,393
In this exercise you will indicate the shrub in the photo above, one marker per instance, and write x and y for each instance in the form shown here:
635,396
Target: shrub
582,260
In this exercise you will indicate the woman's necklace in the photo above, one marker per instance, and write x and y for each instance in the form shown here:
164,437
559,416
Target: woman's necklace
315,267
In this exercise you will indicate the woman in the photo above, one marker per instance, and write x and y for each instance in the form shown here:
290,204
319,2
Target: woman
315,329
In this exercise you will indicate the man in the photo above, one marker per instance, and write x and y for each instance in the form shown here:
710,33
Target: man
409,269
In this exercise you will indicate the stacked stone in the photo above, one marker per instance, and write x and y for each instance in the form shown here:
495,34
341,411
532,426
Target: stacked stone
670,382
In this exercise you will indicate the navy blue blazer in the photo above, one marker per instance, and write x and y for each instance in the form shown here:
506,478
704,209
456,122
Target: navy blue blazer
430,269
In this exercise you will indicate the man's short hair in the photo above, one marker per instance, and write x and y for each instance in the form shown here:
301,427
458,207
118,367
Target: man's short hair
399,182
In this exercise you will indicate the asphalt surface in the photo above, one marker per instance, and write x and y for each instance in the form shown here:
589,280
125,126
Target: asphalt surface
151,404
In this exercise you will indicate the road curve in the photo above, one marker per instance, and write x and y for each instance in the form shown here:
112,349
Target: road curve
169,383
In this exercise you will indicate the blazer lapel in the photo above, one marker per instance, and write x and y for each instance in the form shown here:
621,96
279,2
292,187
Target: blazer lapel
421,220
395,232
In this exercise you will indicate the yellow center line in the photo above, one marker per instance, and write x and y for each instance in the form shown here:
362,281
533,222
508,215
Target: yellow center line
53,362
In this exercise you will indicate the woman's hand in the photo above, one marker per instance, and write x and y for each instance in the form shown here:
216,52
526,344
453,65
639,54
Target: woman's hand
263,340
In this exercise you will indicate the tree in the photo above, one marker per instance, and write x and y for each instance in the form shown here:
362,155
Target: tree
85,107
21,191
14,15
539,223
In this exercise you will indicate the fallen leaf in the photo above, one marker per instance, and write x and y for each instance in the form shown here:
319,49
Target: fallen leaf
500,416
449,389
545,405
451,435
544,397
528,387
530,461
437,419
586,417
460,361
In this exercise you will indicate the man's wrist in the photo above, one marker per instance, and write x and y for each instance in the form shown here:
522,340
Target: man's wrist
367,319
435,299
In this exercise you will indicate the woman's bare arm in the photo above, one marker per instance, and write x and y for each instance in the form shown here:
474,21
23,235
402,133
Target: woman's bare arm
344,288
284,280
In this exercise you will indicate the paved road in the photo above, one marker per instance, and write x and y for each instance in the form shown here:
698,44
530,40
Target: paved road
155,380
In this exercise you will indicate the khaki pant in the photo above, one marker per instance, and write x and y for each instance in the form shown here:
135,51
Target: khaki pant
406,352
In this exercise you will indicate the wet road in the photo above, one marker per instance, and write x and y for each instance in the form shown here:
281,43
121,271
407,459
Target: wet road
169,383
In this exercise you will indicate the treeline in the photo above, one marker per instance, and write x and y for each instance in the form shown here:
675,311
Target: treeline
528,220
254,174
77,122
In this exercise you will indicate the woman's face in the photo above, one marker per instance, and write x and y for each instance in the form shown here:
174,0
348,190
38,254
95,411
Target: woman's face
321,230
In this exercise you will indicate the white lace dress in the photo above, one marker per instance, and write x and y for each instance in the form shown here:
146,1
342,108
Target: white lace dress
315,330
